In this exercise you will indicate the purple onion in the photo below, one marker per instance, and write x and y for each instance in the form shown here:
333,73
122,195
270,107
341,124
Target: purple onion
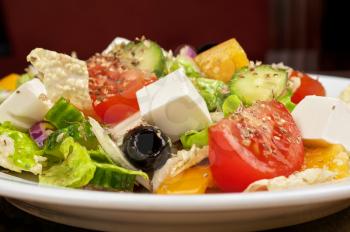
40,131
186,50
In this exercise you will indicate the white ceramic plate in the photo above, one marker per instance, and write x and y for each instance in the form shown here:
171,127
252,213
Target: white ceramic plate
147,212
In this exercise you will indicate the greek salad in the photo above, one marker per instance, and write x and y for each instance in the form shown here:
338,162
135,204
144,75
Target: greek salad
138,118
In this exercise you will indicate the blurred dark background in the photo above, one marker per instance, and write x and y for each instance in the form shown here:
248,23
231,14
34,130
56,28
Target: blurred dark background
310,35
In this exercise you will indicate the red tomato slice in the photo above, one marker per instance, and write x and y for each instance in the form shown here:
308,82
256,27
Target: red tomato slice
113,88
259,142
308,86
116,109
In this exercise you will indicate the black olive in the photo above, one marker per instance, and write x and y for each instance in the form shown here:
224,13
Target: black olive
146,147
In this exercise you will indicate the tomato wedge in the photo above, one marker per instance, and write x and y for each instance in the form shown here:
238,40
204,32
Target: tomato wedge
308,86
113,87
259,142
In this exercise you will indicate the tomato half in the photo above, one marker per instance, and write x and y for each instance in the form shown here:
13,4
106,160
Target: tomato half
113,88
308,86
259,142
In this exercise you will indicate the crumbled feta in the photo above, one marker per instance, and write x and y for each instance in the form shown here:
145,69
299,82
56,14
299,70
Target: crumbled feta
300,179
7,148
179,162
63,76
217,116
38,167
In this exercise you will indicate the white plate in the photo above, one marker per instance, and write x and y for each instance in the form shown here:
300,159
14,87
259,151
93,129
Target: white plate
147,212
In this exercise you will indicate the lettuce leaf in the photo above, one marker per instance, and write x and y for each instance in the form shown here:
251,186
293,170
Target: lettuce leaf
110,176
213,92
81,132
18,152
75,171
174,63
286,100
231,104
193,137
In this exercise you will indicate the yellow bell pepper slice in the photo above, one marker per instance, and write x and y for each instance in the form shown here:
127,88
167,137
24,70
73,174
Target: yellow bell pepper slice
320,154
194,180
9,82
221,62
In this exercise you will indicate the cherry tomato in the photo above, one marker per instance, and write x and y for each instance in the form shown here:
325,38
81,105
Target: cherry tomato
308,86
113,88
259,142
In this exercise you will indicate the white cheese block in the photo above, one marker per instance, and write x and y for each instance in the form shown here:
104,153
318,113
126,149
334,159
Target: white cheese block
174,105
25,106
323,118
115,42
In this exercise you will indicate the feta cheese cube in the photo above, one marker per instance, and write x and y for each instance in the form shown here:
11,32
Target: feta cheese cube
323,118
174,105
25,106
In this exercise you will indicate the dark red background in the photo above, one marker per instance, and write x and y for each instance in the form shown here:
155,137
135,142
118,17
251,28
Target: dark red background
88,26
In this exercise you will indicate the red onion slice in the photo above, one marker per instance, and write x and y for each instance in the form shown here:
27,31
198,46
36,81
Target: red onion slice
40,131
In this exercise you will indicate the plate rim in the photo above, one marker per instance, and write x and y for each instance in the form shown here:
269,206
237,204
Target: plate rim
152,202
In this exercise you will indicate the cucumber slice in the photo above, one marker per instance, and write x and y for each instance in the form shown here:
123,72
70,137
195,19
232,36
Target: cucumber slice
110,176
261,83
143,54
63,114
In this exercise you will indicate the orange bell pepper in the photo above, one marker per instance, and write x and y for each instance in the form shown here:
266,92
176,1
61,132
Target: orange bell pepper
9,82
334,157
221,62
194,180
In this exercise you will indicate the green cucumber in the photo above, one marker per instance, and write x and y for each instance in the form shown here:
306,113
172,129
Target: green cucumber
63,114
143,54
110,176
261,83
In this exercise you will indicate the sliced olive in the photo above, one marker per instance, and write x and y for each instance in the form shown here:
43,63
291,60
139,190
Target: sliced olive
146,147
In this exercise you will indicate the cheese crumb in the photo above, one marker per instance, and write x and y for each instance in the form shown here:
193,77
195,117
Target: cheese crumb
300,179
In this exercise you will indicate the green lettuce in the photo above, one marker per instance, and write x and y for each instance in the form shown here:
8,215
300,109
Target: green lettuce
231,104
80,131
286,100
75,171
109,176
18,152
193,137
213,92
80,167
174,63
